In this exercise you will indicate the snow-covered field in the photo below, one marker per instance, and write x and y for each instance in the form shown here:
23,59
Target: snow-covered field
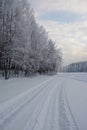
44,102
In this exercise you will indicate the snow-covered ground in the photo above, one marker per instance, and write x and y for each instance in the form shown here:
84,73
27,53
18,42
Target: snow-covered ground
44,102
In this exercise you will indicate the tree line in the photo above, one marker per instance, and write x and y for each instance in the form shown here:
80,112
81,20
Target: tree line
24,45
76,67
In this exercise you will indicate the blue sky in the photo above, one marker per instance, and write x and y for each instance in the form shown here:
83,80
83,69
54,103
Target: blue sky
66,23
61,16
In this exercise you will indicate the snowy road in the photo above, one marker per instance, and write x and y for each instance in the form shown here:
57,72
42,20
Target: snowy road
46,106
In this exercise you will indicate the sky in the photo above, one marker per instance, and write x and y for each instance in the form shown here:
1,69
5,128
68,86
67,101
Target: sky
66,24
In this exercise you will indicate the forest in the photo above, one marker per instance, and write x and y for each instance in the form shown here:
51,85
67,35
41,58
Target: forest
25,47
76,67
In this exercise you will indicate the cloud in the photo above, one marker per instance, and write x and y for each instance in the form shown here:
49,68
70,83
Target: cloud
77,6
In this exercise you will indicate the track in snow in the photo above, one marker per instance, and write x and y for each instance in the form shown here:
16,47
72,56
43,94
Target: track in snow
67,120
44,107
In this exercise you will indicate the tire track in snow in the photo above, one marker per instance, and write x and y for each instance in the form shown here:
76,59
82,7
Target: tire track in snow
48,117
12,109
30,111
74,124
42,99
51,120
35,124
63,120
66,118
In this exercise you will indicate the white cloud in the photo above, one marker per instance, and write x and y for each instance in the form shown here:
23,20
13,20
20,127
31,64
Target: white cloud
77,6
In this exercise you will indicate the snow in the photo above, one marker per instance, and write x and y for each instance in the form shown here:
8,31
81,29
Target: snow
77,96
44,102
15,86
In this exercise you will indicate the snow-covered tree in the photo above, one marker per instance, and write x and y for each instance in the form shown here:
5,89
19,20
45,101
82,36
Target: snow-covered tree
24,45
76,67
